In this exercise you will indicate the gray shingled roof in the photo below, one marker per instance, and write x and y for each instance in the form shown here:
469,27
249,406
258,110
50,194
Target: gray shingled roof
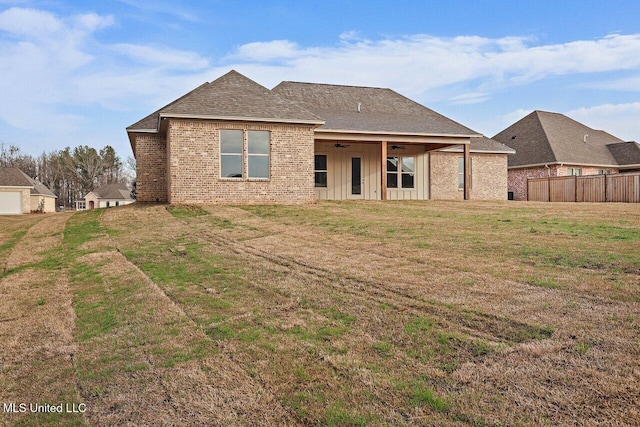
549,138
381,110
14,177
483,144
625,153
113,191
232,96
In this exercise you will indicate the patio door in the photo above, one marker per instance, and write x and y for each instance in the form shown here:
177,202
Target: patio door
356,177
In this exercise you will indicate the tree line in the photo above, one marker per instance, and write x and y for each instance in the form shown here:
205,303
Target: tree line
71,173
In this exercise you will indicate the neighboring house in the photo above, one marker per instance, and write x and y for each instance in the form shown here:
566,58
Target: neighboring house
107,196
19,193
551,144
235,141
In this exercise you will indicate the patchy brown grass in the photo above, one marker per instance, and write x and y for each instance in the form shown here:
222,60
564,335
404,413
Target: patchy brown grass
349,313
36,325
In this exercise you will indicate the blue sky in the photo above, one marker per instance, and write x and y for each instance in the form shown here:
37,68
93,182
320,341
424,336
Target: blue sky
79,72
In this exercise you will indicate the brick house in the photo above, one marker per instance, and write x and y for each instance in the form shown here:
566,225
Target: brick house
552,144
235,141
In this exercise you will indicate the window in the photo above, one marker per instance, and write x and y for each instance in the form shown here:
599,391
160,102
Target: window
407,171
392,172
604,172
117,203
108,204
461,173
231,142
232,154
321,170
400,171
258,153
574,171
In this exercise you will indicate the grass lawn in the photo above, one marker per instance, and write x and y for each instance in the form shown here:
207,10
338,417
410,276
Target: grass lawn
337,314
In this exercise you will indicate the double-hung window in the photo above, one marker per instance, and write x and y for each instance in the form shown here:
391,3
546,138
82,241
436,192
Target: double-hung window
238,145
320,170
231,149
258,154
400,172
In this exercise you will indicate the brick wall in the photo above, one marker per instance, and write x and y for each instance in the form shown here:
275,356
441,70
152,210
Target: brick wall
488,176
444,175
194,164
151,165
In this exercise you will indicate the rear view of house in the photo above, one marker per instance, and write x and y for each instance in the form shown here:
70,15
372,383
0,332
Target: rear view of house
234,141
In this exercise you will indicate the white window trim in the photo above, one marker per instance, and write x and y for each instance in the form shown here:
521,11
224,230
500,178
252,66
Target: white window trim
244,157
320,170
399,173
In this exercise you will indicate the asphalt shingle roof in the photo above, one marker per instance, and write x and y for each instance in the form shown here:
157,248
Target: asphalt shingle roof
626,153
232,96
380,110
113,191
544,137
14,177
484,143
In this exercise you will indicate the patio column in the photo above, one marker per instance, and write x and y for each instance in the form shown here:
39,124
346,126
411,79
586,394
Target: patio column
383,178
466,172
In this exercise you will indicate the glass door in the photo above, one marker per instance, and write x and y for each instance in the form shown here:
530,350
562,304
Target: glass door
356,182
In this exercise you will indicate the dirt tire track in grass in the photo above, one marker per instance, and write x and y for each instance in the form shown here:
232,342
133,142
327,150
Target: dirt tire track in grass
557,369
165,370
398,294
36,329
530,383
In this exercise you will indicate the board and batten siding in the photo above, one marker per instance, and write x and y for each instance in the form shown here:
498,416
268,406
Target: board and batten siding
339,171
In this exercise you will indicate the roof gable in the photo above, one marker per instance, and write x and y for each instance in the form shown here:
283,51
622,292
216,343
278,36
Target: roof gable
231,97
543,137
368,109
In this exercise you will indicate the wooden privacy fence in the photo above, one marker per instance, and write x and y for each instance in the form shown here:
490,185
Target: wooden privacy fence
590,188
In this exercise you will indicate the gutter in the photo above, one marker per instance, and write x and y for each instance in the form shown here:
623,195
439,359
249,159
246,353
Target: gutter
535,165
366,132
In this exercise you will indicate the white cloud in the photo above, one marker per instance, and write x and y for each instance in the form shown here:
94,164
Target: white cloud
621,120
53,64
419,63
29,22
175,9
470,98
268,51
166,58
